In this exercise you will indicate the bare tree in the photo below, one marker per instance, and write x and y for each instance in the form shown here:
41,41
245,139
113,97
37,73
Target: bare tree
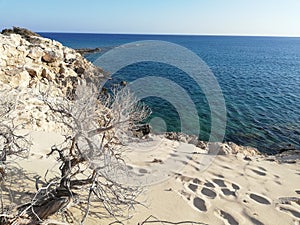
12,142
91,162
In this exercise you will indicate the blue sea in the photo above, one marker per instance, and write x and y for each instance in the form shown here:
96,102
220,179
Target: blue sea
259,78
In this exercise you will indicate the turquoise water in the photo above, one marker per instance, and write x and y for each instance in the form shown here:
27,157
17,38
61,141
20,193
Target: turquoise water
259,78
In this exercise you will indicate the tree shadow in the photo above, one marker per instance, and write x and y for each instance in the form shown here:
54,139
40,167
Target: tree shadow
17,187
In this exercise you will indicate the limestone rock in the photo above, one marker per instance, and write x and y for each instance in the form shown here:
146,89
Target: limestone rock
48,74
33,65
20,80
49,57
35,53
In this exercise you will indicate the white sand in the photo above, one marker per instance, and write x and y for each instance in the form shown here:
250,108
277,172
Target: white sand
230,190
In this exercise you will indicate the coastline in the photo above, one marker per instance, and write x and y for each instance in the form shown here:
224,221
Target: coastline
236,186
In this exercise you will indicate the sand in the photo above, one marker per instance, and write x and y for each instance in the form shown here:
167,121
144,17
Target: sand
183,183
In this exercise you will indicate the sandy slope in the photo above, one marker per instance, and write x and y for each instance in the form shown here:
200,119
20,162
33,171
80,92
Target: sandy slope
180,185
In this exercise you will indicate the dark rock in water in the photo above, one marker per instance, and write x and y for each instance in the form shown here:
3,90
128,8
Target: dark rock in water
141,130
84,51
289,147
123,83
290,156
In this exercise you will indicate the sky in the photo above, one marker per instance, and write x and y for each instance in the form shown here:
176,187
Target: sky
199,17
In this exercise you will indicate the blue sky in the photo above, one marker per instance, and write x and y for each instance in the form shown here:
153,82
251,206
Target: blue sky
221,17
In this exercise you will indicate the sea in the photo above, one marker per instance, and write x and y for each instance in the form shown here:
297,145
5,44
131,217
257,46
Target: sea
259,78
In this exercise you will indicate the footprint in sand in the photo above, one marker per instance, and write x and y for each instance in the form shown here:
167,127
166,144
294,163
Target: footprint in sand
199,203
254,171
219,182
261,168
255,221
235,186
199,192
193,187
289,206
208,193
290,211
196,181
210,185
143,171
226,217
259,199
225,190
260,173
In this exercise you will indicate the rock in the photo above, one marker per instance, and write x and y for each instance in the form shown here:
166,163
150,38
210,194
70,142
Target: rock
34,70
290,156
84,51
20,80
69,56
49,57
225,149
15,40
30,65
123,83
245,150
35,53
201,144
141,130
191,139
79,70
62,69
48,74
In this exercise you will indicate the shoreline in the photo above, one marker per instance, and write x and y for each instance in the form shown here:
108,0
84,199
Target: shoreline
181,178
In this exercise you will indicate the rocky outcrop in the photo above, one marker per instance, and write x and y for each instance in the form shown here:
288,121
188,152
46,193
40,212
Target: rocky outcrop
30,64
24,64
290,156
219,148
27,34
84,51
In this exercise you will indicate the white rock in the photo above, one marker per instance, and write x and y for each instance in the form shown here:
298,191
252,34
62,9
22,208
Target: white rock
15,40
69,56
20,80
36,53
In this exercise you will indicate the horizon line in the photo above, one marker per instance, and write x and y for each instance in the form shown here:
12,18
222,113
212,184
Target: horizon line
172,34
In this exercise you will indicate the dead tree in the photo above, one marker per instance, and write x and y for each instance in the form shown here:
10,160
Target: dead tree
91,163
12,143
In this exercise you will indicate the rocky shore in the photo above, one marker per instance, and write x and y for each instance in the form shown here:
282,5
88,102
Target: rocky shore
30,64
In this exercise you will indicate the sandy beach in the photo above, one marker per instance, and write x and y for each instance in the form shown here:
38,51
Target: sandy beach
231,190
